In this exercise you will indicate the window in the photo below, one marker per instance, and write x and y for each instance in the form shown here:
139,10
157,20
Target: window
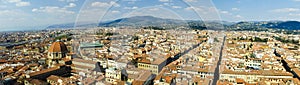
240,83
56,55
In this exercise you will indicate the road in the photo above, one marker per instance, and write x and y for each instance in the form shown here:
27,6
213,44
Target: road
217,70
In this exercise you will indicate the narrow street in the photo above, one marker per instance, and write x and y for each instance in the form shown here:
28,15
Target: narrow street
217,70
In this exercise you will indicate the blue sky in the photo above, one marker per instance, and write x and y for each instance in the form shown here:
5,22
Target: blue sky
36,14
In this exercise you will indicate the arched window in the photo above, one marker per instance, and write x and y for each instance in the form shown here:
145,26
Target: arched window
56,55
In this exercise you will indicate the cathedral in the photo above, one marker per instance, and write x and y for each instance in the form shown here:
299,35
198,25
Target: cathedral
57,54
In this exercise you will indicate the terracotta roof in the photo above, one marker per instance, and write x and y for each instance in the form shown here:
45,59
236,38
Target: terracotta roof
44,71
58,47
88,81
238,80
53,78
36,81
296,70
136,82
169,78
259,72
82,67
84,61
223,83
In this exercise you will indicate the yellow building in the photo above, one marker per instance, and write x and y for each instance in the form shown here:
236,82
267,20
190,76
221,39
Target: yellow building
253,76
112,75
152,64
137,76
80,65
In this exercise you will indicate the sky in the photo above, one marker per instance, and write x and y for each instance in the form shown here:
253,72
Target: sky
38,14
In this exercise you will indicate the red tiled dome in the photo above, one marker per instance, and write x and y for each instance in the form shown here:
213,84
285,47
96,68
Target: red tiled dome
58,47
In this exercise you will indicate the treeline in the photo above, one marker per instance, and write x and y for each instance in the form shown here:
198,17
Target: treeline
67,36
286,40
153,27
105,33
255,39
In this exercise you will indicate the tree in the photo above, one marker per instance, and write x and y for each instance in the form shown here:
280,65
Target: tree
215,39
252,55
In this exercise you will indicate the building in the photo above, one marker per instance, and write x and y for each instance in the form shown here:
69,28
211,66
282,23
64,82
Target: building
43,74
80,65
137,76
56,80
57,54
155,65
113,75
253,76
34,82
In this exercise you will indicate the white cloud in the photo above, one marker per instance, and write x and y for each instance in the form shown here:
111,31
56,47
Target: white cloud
190,0
34,10
98,10
20,4
293,14
92,15
154,9
70,5
235,9
115,12
99,4
131,1
7,12
228,14
55,9
134,7
189,8
238,16
164,0
12,1
285,10
224,12
176,7
167,4
199,9
13,18
67,0
105,4
52,9
210,13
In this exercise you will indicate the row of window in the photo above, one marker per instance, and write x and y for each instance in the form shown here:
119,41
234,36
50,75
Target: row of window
147,66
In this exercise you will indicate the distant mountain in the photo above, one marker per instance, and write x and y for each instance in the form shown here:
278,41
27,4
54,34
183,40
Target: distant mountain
143,21
71,25
140,21
287,25
68,25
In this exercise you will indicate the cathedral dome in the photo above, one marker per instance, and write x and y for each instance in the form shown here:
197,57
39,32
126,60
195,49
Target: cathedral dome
58,47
